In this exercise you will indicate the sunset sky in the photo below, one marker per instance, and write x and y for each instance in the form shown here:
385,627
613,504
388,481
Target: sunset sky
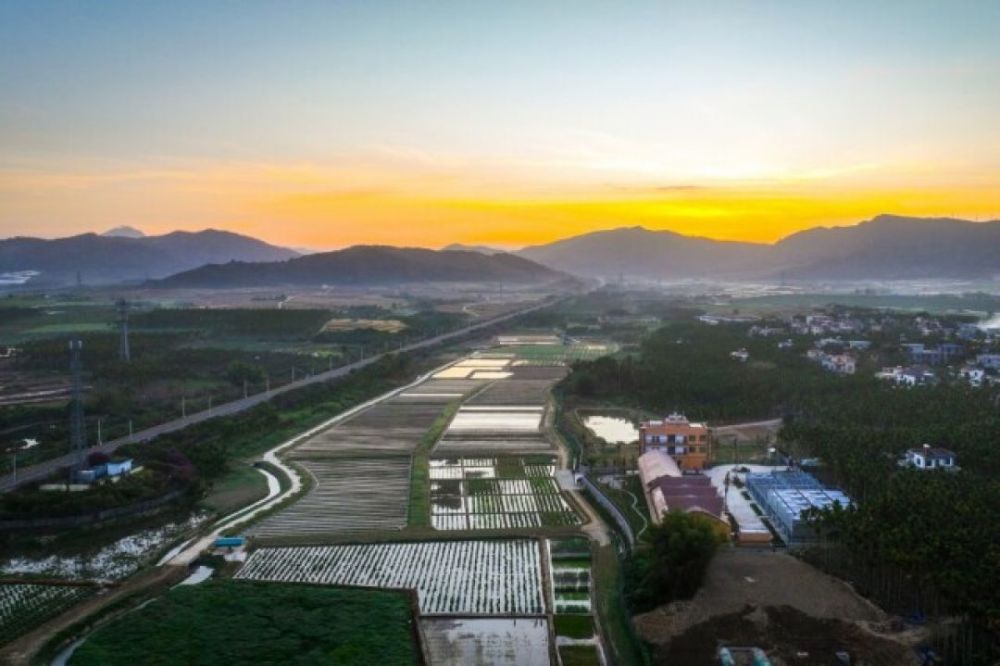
325,124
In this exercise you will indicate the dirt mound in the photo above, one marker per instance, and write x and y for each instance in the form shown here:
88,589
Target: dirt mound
787,635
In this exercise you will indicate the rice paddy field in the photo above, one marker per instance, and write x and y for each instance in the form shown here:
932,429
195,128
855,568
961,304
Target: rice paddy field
348,495
474,578
569,566
392,428
521,641
24,607
497,493
570,598
559,354
360,469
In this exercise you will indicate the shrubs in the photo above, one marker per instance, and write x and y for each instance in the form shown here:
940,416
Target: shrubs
671,560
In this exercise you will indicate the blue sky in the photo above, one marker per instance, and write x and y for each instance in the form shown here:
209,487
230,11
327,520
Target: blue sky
467,100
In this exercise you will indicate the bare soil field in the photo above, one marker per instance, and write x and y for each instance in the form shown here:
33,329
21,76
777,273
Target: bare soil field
391,428
771,600
514,392
350,494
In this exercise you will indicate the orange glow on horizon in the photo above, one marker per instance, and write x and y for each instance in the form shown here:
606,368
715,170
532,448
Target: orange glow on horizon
332,207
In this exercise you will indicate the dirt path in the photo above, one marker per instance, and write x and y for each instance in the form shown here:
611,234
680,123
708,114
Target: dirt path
594,526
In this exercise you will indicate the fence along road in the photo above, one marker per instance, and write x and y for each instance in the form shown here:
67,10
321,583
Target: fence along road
47,468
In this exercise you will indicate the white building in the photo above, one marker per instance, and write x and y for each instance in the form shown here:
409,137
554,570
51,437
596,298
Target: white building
931,457
972,374
842,364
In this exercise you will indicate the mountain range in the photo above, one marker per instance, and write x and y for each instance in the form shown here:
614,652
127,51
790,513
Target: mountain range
105,259
887,247
370,265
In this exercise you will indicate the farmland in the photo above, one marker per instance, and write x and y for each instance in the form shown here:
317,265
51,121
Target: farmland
559,354
520,641
505,417
224,622
24,606
497,493
498,577
348,494
360,470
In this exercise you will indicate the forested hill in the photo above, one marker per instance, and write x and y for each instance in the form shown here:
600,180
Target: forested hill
887,247
369,265
117,258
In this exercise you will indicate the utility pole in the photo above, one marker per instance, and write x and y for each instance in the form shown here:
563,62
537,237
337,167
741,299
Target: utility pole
244,389
183,408
124,353
99,440
130,430
78,437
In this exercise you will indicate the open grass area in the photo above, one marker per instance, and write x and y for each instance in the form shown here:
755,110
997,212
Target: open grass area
225,622
607,580
242,485
630,502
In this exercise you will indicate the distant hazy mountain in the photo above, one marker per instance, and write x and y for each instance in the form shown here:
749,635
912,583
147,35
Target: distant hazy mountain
124,231
461,247
638,252
887,247
109,259
891,247
369,265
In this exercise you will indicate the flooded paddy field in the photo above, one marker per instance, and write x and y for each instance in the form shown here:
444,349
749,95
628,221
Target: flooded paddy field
495,577
512,419
522,641
497,493
349,494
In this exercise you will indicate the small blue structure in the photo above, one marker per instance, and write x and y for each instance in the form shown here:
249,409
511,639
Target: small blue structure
118,467
111,469
229,542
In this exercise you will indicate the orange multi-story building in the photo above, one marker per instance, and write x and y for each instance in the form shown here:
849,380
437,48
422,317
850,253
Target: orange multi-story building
687,443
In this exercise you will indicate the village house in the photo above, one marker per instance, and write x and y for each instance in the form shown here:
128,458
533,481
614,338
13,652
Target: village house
991,361
686,442
930,457
974,375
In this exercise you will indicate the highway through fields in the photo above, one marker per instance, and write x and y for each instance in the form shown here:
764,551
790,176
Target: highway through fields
47,468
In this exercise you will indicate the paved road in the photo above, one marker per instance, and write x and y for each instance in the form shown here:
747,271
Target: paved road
48,467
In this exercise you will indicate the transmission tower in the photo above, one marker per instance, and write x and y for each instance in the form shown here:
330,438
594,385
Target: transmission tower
123,350
78,437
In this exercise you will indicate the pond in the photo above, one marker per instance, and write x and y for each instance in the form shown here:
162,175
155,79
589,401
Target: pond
612,429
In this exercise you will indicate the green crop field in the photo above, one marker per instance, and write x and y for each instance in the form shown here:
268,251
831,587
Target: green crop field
224,622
